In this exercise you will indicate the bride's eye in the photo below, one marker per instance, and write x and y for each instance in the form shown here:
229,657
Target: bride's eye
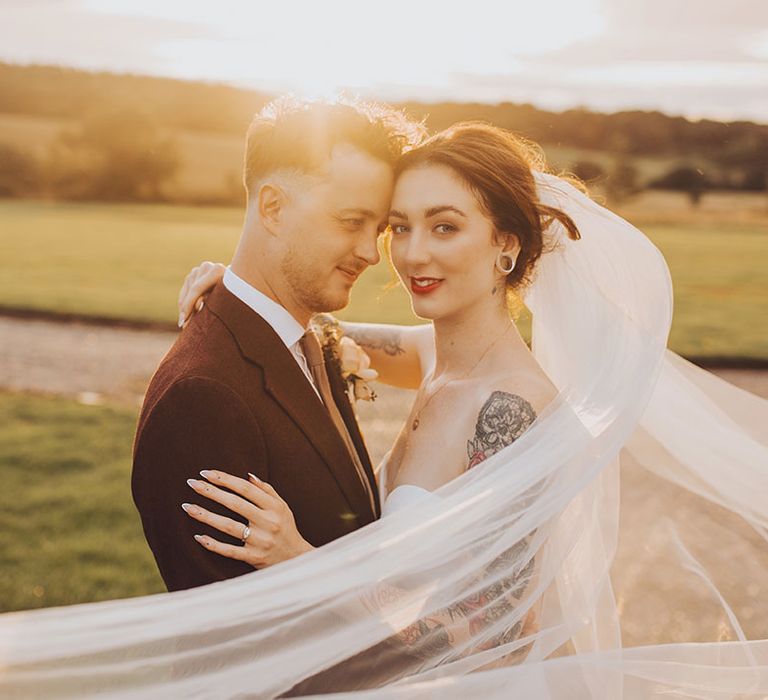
399,228
445,228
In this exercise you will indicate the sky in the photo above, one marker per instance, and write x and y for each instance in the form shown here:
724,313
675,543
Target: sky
697,58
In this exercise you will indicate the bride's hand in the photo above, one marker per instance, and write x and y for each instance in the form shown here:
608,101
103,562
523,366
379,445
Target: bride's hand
271,534
197,284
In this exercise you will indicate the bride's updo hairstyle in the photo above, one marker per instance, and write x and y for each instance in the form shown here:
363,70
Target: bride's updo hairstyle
498,167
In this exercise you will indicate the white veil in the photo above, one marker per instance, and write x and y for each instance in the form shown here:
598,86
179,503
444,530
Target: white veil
504,583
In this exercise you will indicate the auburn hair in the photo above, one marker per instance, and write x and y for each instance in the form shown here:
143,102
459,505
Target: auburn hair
498,166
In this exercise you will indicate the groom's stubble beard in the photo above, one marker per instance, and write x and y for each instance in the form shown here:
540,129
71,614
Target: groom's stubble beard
309,286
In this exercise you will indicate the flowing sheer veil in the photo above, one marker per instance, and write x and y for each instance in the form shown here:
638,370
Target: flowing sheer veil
506,582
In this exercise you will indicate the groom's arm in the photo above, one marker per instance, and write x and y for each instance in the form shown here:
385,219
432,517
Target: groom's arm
197,424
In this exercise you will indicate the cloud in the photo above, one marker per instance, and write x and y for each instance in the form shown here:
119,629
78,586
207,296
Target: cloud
721,91
62,32
672,30
704,57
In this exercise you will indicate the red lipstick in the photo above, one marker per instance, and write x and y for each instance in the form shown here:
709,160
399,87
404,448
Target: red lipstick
424,285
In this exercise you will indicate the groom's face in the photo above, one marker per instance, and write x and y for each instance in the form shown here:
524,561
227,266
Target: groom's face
330,229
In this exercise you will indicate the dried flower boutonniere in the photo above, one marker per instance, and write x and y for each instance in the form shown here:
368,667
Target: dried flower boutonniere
346,357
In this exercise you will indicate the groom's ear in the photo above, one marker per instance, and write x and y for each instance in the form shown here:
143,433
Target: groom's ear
271,204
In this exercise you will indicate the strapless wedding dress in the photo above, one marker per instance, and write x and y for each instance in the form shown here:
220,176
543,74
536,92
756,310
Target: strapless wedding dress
401,496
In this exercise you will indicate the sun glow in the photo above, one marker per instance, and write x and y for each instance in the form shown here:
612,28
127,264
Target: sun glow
316,49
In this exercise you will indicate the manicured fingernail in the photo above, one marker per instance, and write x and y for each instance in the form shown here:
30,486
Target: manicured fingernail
187,507
199,538
254,477
192,482
181,320
206,473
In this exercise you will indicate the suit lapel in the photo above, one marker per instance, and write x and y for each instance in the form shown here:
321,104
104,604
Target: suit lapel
288,385
339,390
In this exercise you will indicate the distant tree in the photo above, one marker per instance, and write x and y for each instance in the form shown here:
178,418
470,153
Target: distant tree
119,155
755,178
687,178
19,172
747,158
622,181
588,170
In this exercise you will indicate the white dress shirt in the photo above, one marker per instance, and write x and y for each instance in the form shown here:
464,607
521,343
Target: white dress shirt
278,317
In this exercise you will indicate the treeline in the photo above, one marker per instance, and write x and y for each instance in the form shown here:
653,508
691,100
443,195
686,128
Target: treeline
125,126
631,132
63,92
112,155
49,91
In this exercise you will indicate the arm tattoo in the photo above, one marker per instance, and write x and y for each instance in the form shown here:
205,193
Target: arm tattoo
503,418
496,600
437,634
424,638
385,340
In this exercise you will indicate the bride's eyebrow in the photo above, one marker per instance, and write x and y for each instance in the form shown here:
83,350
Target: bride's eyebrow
432,211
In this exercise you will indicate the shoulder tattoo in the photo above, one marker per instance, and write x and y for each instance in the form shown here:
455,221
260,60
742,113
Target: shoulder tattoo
503,418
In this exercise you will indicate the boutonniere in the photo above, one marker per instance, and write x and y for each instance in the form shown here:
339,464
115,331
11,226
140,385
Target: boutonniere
346,357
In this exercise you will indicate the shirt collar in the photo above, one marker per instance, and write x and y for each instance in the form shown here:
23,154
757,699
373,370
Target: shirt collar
285,325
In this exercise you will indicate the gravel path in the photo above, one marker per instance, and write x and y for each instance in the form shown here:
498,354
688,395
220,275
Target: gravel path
96,364
101,363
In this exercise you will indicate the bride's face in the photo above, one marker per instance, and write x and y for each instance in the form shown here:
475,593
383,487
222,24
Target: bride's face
443,244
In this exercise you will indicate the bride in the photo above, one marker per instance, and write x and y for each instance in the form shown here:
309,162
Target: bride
491,573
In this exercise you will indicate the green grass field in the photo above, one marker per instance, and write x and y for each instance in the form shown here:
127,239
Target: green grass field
69,532
128,262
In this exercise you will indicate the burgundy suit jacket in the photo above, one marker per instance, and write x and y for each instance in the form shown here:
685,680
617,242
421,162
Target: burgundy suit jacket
229,395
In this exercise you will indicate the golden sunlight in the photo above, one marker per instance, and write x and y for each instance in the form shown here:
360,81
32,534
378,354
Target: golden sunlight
319,48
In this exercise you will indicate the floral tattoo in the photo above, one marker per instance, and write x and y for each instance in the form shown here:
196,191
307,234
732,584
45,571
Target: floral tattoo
503,419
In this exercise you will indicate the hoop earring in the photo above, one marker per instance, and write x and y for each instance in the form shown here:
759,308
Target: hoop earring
500,267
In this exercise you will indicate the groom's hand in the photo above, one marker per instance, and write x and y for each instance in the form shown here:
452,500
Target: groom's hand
269,537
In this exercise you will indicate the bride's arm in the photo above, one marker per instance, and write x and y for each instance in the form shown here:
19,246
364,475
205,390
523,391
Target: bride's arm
482,619
401,355
475,623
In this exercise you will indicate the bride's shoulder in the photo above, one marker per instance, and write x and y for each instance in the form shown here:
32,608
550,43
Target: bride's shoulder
505,408
523,392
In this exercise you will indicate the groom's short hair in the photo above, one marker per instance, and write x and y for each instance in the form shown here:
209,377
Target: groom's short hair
291,135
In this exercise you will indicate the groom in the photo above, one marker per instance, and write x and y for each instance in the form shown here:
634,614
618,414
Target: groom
237,391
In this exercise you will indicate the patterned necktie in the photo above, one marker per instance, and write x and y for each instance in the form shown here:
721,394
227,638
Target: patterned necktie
314,354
